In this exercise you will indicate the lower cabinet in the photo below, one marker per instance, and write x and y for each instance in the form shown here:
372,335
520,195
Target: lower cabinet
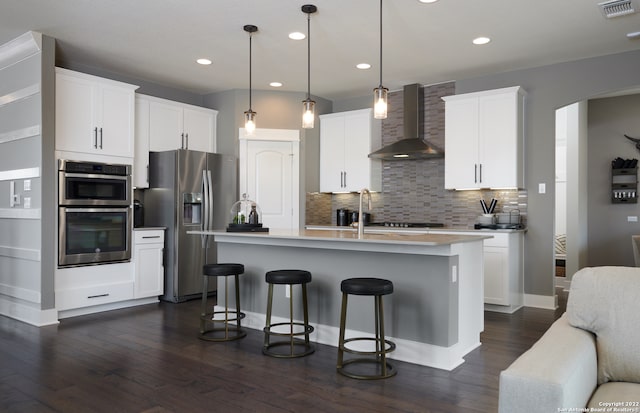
503,269
148,258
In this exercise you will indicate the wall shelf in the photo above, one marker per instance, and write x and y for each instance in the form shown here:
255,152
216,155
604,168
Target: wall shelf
624,185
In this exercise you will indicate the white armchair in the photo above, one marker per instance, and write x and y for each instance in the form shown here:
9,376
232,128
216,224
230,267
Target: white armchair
590,358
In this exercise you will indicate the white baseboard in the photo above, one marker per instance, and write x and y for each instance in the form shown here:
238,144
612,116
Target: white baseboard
445,358
106,307
27,312
548,302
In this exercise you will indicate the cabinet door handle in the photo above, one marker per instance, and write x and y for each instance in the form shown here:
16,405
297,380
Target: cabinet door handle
95,138
186,138
98,295
182,141
150,236
480,173
100,138
475,173
345,179
147,173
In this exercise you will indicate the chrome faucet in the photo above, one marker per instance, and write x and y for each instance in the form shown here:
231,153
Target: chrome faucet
360,214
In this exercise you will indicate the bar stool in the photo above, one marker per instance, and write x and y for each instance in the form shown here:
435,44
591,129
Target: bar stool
296,346
367,287
230,332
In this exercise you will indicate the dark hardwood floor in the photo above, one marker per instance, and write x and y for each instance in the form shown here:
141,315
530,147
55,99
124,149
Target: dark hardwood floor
149,359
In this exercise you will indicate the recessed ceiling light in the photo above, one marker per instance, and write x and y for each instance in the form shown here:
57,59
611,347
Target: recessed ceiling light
297,36
481,40
203,61
427,1
363,66
275,84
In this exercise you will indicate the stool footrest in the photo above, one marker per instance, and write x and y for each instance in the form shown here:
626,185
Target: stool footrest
390,346
307,329
209,317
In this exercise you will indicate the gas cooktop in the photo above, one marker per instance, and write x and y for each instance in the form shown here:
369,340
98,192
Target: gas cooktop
392,224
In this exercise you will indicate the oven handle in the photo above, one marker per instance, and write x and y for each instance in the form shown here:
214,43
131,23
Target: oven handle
95,176
91,210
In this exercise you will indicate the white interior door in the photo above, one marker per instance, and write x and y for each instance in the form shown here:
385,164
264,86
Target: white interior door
269,172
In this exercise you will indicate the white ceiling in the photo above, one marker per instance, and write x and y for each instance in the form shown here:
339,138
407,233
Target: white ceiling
159,40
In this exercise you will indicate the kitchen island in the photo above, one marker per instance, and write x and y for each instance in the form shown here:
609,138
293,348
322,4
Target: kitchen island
435,314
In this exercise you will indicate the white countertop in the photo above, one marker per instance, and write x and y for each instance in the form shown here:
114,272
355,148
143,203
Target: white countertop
381,229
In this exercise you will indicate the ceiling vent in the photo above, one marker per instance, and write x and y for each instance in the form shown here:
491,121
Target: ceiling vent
616,8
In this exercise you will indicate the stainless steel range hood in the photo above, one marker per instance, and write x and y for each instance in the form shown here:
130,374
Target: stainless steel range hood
412,146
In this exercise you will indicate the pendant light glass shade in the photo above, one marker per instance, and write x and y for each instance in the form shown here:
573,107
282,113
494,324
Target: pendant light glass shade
380,93
380,102
308,113
250,115
250,122
308,105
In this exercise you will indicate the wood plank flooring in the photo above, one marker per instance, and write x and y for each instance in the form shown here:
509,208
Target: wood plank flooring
149,359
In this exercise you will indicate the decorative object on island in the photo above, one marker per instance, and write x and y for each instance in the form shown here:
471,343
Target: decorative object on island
246,216
250,115
380,93
294,347
308,105
624,181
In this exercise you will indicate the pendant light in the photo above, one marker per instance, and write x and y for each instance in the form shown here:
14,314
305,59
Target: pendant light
249,115
308,105
380,93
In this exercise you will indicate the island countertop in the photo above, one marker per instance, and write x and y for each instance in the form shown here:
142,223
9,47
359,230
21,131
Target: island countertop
407,243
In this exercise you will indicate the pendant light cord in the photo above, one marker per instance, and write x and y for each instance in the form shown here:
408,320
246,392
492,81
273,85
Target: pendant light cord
308,55
380,44
250,54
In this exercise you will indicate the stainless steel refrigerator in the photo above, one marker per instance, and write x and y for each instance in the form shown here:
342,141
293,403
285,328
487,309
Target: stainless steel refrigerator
189,190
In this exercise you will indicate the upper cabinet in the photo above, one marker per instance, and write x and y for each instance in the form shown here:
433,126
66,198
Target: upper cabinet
346,140
141,159
94,115
174,125
484,139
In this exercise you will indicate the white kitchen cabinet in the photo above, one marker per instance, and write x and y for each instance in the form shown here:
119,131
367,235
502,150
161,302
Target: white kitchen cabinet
148,258
141,158
484,139
346,140
92,286
503,268
174,125
94,115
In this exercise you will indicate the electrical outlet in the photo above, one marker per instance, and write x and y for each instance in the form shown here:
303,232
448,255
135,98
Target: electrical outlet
26,202
26,185
454,273
632,218
542,188
287,290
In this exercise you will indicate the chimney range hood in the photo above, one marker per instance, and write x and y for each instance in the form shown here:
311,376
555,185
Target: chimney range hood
412,146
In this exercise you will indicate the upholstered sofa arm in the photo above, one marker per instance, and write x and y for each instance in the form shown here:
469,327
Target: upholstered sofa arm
559,371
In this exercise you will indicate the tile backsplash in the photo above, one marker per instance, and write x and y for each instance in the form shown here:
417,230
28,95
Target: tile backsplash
413,191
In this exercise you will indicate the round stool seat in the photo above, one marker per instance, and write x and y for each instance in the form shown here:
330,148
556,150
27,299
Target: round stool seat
222,270
288,277
366,286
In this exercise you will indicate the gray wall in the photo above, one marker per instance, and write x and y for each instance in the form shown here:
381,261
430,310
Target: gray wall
609,233
551,87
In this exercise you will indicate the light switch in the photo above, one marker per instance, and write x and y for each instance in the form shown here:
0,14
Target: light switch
27,185
542,188
454,273
632,218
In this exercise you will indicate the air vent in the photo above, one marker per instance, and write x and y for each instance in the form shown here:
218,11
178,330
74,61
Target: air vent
616,8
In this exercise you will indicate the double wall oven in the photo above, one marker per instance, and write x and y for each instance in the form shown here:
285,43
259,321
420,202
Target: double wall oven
94,213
